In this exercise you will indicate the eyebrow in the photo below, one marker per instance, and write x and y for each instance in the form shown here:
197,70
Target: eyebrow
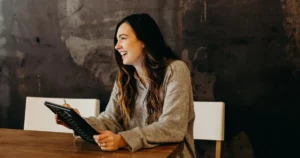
122,35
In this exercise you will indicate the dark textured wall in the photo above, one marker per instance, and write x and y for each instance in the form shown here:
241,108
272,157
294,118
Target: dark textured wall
243,52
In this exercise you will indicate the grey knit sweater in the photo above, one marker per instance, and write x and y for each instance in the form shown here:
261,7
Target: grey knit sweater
175,123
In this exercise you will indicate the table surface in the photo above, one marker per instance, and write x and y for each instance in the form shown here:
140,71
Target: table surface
25,143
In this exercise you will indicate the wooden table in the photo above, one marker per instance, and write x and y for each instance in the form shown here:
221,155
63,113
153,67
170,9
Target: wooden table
23,144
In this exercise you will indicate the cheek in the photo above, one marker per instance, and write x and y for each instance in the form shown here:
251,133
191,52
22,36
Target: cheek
134,48
139,49
138,52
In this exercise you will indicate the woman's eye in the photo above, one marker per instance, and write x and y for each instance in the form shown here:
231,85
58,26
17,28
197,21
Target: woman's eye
123,38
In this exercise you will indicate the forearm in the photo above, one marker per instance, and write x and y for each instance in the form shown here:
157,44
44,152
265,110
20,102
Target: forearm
154,134
102,122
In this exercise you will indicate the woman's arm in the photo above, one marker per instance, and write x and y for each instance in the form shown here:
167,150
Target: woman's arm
110,118
172,124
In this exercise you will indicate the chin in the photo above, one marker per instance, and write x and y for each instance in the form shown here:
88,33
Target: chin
126,63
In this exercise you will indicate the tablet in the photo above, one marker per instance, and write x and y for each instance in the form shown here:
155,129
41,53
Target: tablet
74,121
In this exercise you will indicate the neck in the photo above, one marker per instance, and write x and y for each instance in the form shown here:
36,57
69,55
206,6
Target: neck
142,73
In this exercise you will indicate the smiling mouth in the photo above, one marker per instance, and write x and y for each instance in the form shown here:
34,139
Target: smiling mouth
123,54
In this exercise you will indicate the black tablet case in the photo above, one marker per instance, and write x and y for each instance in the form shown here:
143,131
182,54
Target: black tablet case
74,121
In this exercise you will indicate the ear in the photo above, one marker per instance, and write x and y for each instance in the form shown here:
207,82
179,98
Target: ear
143,45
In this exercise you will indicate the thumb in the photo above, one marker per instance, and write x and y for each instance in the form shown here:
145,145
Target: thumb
66,105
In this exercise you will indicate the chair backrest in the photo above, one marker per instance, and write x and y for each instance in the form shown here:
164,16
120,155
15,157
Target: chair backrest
209,123
39,118
209,120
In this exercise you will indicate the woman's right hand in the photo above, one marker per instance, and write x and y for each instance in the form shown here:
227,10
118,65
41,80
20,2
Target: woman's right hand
60,122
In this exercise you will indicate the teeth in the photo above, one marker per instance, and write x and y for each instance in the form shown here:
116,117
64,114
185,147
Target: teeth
123,53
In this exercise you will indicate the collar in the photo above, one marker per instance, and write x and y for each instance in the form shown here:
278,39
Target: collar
137,77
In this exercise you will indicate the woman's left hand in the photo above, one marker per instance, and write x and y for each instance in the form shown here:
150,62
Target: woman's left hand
109,141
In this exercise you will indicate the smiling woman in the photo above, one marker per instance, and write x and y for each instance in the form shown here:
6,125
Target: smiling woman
152,100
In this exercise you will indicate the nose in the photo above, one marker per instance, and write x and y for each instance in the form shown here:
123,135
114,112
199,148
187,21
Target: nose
117,46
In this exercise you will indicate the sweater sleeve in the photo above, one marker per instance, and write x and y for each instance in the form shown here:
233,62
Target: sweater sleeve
109,119
172,124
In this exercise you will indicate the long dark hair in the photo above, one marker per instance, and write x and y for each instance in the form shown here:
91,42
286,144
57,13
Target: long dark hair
157,56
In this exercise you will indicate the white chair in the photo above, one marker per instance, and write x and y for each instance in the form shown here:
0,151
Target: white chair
209,123
39,118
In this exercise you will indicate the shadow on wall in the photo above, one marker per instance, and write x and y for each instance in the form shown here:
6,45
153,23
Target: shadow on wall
5,94
250,54
65,48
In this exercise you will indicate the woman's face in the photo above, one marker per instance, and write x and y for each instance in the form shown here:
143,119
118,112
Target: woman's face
129,47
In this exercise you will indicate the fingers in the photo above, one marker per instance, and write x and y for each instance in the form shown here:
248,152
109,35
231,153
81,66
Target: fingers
66,105
103,135
105,141
97,140
108,148
76,110
100,143
59,122
104,145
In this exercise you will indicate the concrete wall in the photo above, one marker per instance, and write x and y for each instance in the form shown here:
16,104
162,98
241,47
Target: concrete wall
243,52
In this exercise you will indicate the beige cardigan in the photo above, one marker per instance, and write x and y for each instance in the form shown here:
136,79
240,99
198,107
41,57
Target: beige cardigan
175,123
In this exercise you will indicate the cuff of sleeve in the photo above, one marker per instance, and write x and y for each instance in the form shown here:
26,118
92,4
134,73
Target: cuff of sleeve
133,138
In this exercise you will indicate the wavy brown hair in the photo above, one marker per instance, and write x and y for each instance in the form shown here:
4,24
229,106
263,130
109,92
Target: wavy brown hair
157,56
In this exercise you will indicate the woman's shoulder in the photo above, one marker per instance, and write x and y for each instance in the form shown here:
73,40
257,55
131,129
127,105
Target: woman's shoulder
177,65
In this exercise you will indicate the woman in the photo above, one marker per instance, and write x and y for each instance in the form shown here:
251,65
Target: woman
151,102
